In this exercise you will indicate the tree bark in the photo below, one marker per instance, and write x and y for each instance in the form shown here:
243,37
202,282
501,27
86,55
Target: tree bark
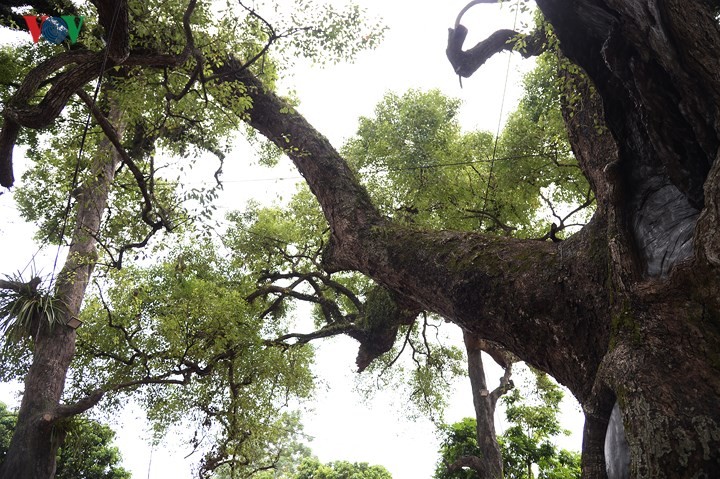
624,310
490,464
37,437
627,310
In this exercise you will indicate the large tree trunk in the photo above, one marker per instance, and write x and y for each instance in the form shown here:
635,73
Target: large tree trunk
33,449
655,65
628,309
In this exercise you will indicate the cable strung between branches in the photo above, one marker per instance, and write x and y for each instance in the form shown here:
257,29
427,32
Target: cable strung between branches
466,62
468,7
76,173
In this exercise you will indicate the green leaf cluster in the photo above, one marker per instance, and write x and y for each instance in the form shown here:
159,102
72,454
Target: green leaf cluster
312,468
421,168
417,164
459,439
182,339
527,444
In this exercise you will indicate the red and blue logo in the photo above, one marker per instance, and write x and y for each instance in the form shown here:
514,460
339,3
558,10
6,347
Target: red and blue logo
54,29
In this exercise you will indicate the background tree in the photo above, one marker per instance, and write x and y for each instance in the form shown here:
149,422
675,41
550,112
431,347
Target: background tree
420,168
528,451
87,452
527,443
311,468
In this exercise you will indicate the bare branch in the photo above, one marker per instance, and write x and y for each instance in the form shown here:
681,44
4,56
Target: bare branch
469,6
324,332
465,63
79,407
19,287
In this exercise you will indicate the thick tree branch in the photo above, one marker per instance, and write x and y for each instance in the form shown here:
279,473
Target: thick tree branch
465,277
465,63
18,287
505,386
80,406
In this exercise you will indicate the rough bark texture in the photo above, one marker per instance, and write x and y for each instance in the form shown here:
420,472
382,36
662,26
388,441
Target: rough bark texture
34,445
626,311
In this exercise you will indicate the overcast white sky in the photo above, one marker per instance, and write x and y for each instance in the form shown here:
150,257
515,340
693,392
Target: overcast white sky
412,56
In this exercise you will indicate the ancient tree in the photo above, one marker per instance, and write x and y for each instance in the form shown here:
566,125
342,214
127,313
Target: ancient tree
625,311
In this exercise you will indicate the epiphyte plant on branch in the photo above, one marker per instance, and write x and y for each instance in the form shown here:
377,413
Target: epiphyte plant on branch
625,311
140,90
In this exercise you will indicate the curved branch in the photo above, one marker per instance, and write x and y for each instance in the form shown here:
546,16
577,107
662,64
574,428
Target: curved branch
465,277
113,17
465,63
472,462
468,7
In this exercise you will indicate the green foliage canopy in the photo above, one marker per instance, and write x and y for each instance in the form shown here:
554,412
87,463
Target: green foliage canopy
312,468
421,168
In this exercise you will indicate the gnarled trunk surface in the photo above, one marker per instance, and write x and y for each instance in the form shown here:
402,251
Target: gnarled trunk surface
627,310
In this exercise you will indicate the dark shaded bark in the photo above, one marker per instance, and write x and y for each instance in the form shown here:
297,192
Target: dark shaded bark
114,18
628,309
467,62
